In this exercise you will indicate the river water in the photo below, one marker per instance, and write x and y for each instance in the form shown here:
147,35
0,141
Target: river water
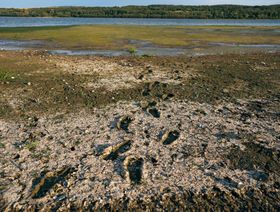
30,21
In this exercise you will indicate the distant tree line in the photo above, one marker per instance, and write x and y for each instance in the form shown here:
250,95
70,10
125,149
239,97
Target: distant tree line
153,11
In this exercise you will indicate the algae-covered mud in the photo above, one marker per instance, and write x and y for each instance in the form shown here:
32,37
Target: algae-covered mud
117,37
118,40
146,133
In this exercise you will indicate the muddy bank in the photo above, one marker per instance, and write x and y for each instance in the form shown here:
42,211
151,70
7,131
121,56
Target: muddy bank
190,157
37,83
171,133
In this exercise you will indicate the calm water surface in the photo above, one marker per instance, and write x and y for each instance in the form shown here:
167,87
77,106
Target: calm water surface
29,22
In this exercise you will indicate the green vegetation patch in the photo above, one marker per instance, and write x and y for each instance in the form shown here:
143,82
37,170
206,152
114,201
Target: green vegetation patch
31,145
5,109
5,75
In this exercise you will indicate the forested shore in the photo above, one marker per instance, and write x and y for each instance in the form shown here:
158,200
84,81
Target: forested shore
152,11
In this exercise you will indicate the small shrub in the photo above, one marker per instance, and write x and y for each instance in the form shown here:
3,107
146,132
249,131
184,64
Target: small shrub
31,146
132,51
4,75
2,146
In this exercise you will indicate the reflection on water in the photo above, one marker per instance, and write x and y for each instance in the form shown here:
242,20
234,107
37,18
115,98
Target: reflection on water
143,48
245,45
149,51
20,45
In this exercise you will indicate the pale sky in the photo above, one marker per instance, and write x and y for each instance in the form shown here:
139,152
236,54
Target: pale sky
46,3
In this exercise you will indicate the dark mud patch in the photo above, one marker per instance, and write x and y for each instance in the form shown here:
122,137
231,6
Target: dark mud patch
256,106
44,183
255,157
134,167
169,137
5,110
259,175
228,136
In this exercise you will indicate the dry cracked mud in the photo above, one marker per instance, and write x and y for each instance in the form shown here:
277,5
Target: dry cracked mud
90,133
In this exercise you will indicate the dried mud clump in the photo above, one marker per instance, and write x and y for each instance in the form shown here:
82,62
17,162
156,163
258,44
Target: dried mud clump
47,180
169,137
112,152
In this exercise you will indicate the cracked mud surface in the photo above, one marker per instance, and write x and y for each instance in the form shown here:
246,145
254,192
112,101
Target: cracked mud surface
155,145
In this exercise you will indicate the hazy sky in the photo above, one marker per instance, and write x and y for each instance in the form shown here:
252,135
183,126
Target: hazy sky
45,3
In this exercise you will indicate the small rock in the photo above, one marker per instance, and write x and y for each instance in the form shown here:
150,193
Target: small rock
225,91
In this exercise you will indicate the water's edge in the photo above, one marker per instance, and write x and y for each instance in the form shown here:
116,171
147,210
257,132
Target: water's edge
146,49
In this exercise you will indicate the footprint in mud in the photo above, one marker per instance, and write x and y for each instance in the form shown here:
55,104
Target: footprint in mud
157,84
134,169
146,104
167,96
140,77
169,137
124,123
149,106
154,89
112,152
146,91
227,182
119,166
154,112
114,124
44,183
